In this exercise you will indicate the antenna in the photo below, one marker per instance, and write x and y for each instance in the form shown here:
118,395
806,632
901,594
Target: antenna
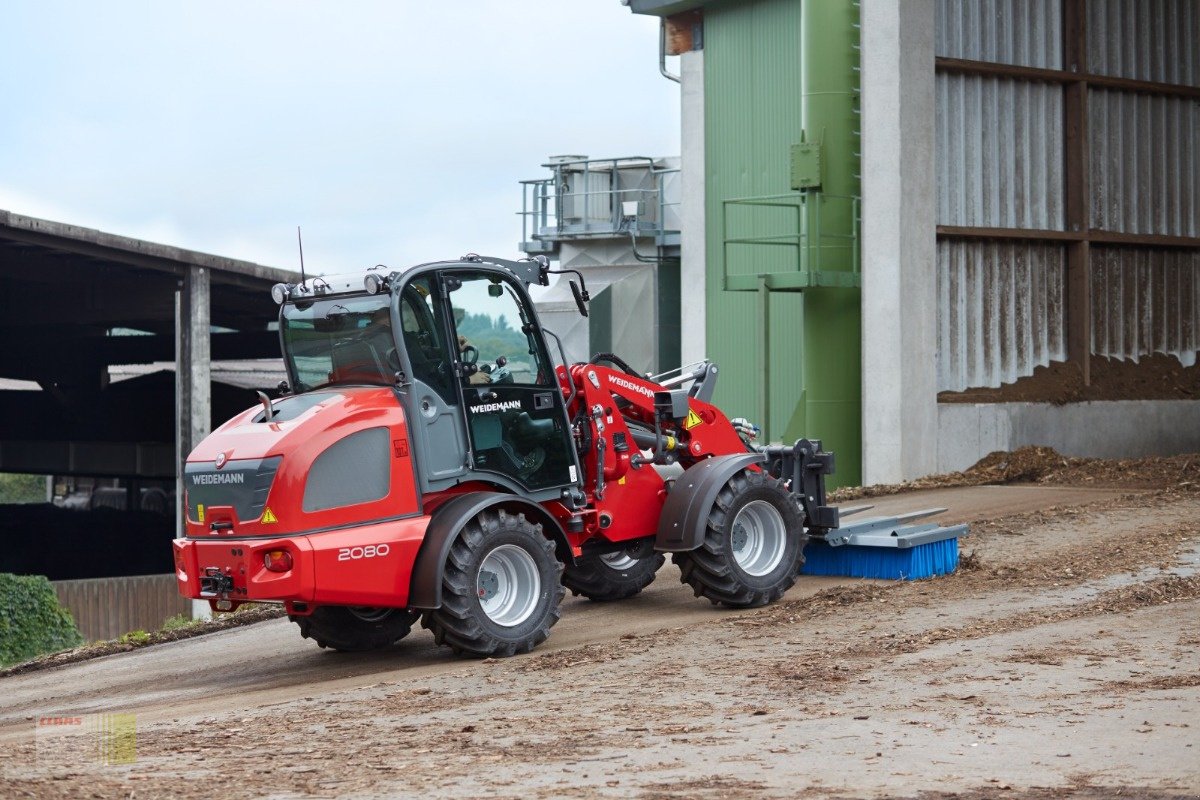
300,242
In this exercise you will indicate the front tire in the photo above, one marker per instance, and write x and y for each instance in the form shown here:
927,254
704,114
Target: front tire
500,590
753,545
612,576
356,629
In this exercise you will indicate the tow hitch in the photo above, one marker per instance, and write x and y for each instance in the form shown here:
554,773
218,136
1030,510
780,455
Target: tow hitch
214,582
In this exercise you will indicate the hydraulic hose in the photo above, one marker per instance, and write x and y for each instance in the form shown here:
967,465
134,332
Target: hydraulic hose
618,361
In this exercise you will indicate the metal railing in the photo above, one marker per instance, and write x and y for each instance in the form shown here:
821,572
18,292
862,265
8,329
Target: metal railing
596,197
824,254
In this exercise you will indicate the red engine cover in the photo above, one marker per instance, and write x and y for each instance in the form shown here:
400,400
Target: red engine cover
356,554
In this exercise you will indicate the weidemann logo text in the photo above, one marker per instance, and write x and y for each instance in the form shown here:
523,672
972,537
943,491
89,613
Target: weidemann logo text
630,385
219,477
507,405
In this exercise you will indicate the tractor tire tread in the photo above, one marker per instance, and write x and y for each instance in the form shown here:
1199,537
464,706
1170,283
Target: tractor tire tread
710,569
456,624
597,581
336,628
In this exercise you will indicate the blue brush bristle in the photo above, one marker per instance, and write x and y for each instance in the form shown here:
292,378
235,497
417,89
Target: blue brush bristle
888,563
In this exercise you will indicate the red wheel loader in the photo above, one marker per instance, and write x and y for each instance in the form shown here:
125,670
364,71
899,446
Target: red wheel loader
430,458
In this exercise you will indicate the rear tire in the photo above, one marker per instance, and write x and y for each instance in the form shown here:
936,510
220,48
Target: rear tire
356,629
612,576
753,545
500,590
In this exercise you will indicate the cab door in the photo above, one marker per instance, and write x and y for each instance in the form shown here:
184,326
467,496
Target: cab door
511,400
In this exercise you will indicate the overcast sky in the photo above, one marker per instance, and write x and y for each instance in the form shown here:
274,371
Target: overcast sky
392,132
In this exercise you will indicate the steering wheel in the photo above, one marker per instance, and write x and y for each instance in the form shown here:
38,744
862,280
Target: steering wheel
470,354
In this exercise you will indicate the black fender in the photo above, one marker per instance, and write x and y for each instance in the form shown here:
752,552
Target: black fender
685,514
425,585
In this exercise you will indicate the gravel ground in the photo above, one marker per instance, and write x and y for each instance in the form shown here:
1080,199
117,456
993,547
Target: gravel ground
1063,659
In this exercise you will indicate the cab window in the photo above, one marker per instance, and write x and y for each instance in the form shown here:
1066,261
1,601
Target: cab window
495,332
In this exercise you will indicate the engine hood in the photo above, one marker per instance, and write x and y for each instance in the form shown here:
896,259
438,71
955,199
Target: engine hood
251,476
296,418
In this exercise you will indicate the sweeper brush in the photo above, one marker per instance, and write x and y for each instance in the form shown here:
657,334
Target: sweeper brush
886,548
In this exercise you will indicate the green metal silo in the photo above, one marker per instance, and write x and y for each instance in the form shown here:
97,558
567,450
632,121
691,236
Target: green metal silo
782,157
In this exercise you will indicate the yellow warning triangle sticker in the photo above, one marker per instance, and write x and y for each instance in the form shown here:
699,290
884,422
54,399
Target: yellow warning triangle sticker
268,517
693,419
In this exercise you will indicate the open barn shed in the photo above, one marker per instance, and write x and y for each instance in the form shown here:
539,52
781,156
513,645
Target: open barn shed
92,325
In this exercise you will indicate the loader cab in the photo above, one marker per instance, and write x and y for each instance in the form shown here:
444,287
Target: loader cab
480,385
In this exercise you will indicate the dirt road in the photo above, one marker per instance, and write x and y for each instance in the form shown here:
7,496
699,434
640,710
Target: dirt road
1063,658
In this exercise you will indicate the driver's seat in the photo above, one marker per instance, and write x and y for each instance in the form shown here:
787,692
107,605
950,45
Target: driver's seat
355,362
527,432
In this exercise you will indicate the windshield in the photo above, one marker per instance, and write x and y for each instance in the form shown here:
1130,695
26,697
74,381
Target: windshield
339,340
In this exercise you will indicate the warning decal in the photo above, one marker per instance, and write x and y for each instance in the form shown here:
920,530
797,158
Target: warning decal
268,516
693,419
200,512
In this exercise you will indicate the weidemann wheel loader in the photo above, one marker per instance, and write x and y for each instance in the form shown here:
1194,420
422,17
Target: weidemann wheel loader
431,459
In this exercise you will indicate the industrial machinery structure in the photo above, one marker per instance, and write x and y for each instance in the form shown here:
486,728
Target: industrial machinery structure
431,460
616,221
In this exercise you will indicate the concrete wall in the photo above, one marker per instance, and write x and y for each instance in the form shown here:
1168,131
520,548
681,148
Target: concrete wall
899,279
691,231
1115,429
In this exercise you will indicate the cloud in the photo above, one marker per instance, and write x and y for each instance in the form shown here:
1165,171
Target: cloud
389,131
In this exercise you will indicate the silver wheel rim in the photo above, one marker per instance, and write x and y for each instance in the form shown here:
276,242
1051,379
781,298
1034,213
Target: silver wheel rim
369,613
508,585
759,538
618,561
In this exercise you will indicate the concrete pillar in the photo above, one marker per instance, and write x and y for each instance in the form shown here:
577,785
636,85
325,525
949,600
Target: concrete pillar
693,280
193,383
899,278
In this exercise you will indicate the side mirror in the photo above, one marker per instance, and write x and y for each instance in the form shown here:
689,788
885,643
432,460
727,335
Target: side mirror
580,299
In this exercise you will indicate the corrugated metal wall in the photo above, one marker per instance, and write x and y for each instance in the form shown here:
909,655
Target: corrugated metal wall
1024,32
1145,163
1000,311
999,152
106,608
752,117
1145,177
1145,301
1000,165
1150,40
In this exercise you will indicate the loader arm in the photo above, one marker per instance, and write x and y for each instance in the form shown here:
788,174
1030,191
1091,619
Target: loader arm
703,432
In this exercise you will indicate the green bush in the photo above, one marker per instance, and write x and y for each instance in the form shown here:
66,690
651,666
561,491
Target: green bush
31,620
16,488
